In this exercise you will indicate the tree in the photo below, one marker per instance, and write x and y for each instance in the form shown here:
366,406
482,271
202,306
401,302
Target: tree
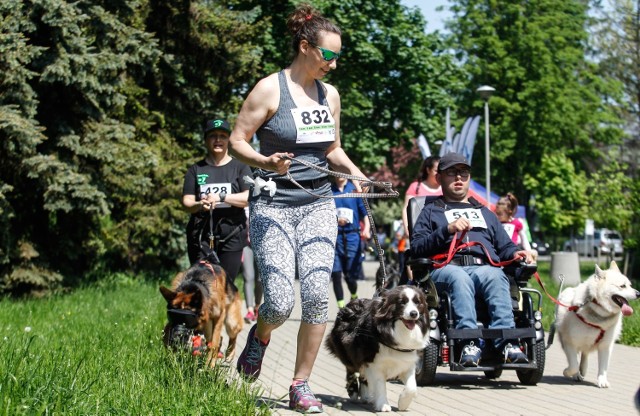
549,97
102,106
60,132
561,199
396,82
616,49
99,119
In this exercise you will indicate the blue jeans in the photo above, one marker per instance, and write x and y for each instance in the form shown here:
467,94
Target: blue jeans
463,283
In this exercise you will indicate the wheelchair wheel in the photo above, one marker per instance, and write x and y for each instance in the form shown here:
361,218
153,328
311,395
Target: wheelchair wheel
427,365
532,377
493,374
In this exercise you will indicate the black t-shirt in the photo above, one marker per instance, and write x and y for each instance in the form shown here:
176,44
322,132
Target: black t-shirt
202,178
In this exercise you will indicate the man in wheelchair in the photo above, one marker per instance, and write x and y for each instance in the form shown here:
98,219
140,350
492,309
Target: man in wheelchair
469,246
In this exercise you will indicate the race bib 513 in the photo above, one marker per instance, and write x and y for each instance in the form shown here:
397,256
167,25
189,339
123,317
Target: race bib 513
474,215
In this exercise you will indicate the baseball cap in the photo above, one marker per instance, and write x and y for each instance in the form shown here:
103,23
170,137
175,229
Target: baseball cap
217,124
452,159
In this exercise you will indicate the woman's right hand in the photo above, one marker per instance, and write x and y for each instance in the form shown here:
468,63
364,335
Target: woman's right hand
279,162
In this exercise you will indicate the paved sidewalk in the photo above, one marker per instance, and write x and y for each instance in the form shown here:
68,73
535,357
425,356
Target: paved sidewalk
455,393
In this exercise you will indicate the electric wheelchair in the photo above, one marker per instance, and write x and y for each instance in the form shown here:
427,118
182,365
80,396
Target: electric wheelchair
445,339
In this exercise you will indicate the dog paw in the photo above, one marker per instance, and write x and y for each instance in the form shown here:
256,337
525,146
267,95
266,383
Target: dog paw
603,383
384,408
572,374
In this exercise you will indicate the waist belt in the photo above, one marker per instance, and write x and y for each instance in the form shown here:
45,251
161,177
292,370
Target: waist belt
467,260
357,230
308,184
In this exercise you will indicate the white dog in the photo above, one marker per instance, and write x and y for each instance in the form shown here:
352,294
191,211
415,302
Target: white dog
592,319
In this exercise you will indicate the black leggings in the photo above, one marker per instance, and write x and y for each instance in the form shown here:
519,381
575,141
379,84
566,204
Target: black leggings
231,261
336,278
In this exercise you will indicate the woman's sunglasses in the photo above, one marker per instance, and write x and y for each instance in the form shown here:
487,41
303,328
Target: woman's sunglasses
327,55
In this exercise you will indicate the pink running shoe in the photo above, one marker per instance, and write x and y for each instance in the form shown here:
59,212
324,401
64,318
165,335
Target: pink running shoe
302,399
250,361
249,317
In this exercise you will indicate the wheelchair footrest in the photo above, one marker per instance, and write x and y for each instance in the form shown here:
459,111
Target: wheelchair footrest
491,333
525,366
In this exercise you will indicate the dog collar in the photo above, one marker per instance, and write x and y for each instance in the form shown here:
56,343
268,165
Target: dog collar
208,266
397,349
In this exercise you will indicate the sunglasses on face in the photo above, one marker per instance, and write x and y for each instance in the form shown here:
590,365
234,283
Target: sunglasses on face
327,54
463,173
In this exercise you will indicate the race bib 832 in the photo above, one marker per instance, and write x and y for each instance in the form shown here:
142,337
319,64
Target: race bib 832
314,124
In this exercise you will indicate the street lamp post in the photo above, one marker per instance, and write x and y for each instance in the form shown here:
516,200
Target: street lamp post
485,93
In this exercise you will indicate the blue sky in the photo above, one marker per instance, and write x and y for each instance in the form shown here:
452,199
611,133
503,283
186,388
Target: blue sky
435,20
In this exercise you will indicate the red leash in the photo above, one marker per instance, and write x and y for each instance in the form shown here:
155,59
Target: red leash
554,300
457,245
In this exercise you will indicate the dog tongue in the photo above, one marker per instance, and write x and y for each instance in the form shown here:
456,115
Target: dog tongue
411,324
627,310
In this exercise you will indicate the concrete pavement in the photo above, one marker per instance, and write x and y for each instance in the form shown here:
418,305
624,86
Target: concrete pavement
454,393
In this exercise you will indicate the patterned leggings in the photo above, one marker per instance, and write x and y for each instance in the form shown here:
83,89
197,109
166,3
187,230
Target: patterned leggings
293,239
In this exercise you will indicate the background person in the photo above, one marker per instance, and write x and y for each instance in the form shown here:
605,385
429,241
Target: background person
348,261
506,208
469,272
425,185
252,285
291,229
215,195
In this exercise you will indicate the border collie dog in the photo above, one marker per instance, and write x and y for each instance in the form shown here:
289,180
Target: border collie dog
378,340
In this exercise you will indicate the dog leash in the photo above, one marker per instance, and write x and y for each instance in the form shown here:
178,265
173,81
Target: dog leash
387,192
441,260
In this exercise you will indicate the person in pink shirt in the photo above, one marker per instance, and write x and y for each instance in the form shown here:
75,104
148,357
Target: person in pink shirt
424,185
506,208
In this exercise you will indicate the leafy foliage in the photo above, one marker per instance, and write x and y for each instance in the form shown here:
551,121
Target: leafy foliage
558,195
104,102
548,97
396,82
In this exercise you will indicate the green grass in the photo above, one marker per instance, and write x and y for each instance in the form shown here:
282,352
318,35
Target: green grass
98,351
630,325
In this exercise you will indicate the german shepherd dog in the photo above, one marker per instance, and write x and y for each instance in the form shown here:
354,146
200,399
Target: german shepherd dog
200,303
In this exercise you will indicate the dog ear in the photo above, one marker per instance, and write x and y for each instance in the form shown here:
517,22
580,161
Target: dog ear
211,257
599,273
385,308
614,266
168,294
